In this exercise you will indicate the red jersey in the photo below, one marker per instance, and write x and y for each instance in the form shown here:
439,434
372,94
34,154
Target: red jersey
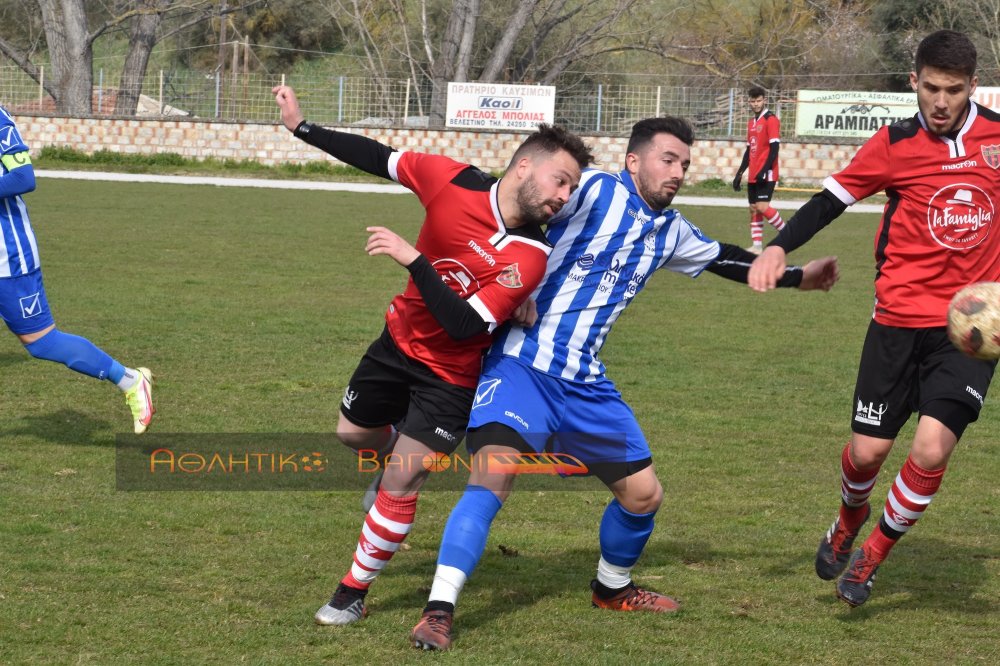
465,239
936,234
761,133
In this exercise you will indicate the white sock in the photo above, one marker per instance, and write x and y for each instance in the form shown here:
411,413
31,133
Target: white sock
128,379
613,576
448,583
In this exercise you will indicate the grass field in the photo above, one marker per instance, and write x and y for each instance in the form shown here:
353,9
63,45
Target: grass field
252,308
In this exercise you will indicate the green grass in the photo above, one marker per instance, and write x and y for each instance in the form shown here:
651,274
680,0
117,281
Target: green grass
252,307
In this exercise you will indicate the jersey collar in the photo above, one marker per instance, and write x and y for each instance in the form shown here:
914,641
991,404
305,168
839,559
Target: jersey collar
956,145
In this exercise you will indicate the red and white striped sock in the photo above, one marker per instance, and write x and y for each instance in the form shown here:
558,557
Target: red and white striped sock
757,229
911,493
773,218
855,488
385,528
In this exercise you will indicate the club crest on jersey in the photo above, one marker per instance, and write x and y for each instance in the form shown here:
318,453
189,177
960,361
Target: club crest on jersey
510,277
960,216
991,154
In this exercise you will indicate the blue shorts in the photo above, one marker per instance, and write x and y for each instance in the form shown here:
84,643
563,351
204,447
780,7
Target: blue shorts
589,421
23,304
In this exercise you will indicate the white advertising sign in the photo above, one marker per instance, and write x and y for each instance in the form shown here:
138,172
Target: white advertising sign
846,113
988,97
499,106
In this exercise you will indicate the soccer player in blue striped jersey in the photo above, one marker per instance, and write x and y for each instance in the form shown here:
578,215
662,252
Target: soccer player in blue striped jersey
543,387
23,304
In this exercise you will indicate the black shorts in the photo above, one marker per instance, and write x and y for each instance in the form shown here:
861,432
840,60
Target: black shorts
904,369
389,387
760,191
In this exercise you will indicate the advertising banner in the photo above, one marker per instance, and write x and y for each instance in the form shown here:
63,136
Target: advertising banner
847,113
499,106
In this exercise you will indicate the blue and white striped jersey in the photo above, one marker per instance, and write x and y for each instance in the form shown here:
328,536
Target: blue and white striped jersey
607,242
21,250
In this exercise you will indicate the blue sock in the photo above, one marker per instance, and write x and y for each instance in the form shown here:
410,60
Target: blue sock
465,533
623,535
76,353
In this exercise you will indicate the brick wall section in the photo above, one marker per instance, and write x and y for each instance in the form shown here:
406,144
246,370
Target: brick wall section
801,163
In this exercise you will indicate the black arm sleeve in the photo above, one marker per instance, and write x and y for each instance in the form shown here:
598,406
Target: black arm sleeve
819,211
358,151
746,161
772,157
733,263
458,319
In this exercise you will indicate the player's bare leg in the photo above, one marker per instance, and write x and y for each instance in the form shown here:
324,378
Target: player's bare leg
625,529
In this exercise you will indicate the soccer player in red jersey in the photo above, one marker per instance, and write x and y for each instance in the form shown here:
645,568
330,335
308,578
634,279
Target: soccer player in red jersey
480,253
941,173
761,158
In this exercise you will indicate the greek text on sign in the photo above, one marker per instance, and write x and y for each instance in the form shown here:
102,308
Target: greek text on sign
850,113
499,106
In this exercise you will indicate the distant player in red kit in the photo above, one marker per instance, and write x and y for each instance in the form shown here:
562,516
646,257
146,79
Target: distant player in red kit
761,158
941,173
480,253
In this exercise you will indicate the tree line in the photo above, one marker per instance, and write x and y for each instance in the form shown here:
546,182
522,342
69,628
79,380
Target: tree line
857,44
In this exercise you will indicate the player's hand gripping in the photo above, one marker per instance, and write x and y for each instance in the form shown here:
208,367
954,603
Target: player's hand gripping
291,115
525,314
820,274
767,269
383,241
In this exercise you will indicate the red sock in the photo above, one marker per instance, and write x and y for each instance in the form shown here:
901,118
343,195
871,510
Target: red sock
855,488
385,528
911,493
757,228
773,218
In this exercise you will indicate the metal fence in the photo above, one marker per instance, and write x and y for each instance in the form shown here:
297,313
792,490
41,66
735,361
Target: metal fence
351,100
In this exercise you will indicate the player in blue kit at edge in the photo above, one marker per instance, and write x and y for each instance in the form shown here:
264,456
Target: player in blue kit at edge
23,304
543,388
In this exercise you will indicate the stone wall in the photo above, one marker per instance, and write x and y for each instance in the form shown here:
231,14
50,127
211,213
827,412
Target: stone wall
801,163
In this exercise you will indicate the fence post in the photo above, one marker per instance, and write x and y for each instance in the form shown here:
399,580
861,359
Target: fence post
279,108
340,100
732,101
600,90
406,103
218,82
657,101
161,92
41,86
100,91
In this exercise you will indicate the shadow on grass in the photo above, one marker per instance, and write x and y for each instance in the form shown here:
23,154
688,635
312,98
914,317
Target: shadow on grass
10,359
510,583
929,574
64,426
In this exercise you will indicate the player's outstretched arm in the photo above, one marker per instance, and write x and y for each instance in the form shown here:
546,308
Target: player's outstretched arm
291,114
457,317
384,241
767,269
820,274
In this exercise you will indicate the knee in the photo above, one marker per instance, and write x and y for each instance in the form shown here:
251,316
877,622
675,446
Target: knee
646,499
865,458
356,437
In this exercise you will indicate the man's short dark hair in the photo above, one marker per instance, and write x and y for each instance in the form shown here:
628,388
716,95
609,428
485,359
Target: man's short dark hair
550,139
644,131
948,50
755,92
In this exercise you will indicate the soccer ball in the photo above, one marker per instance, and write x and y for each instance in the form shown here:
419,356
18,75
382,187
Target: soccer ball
974,320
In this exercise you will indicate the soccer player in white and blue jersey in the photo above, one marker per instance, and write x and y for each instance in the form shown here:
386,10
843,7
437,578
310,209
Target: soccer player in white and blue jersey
23,304
543,388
